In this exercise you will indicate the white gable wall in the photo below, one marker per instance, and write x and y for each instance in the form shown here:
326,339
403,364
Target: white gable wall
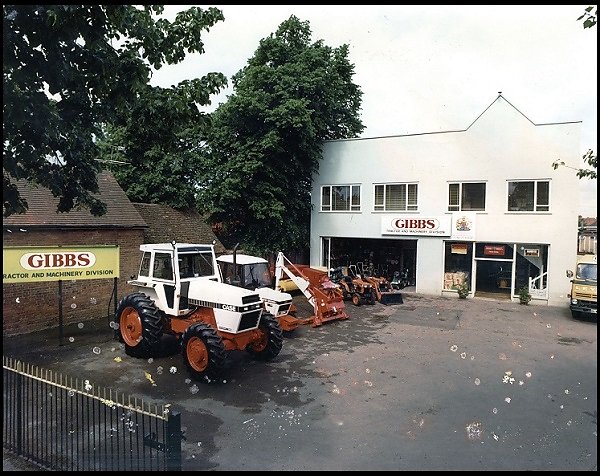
500,145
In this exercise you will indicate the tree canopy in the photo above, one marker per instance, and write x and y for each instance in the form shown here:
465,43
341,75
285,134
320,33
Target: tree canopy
265,142
70,71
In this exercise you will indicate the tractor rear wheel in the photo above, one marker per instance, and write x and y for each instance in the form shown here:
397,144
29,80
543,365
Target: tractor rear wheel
356,299
203,351
271,340
138,324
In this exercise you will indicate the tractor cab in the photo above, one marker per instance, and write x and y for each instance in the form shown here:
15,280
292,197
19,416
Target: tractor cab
250,272
168,269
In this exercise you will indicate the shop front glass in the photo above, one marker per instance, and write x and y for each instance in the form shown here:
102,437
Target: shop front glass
458,260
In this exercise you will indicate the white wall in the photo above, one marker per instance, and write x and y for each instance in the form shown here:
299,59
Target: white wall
501,145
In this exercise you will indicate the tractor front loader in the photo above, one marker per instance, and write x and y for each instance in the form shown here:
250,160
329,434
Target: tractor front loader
179,293
324,295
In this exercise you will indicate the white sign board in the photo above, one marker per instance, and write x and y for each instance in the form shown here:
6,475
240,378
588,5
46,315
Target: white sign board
416,225
463,226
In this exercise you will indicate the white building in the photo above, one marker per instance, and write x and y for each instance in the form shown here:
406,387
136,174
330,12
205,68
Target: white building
481,205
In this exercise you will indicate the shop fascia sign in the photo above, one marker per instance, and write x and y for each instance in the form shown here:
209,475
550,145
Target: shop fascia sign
28,264
416,225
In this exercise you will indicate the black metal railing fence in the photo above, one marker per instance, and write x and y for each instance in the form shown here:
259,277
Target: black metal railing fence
61,423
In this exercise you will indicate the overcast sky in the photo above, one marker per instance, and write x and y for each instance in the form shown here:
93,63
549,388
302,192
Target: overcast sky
432,68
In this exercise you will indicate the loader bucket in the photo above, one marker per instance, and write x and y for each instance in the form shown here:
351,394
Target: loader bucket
391,297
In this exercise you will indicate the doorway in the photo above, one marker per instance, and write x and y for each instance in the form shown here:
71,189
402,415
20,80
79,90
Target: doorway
494,278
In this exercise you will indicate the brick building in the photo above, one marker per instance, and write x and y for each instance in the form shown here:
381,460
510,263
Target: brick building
31,307
34,306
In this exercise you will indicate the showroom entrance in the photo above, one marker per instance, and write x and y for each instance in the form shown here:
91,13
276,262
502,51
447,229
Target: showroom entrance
384,256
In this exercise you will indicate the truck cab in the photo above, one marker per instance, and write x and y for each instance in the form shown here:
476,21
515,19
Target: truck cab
583,296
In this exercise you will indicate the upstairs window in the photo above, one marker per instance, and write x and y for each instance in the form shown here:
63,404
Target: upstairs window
529,196
466,196
396,197
340,198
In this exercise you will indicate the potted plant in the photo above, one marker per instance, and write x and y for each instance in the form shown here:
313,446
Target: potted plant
463,290
524,295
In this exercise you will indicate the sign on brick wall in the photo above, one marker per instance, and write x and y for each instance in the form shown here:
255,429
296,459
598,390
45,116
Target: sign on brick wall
27,264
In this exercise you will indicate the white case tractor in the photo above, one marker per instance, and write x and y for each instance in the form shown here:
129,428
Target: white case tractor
180,293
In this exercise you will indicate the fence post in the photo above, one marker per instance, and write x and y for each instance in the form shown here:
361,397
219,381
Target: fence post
174,441
19,416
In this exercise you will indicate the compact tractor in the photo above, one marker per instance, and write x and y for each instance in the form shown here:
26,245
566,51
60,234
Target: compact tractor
353,287
179,292
384,291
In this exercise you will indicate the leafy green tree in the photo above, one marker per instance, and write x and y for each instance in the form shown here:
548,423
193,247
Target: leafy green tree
590,159
266,140
158,143
69,70
589,18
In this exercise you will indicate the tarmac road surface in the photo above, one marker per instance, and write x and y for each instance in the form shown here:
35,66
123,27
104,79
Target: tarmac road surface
432,384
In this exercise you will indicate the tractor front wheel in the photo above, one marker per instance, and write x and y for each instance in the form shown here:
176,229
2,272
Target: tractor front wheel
356,299
203,351
271,339
138,324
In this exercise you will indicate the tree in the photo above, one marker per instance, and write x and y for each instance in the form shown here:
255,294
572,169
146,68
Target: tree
265,141
588,158
158,143
69,70
589,19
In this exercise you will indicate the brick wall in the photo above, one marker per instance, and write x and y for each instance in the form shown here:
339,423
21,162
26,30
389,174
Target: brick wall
29,307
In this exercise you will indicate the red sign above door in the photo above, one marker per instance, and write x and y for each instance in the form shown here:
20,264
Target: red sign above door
494,250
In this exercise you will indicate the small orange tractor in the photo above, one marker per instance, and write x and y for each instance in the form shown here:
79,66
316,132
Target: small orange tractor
353,287
324,295
384,291
179,293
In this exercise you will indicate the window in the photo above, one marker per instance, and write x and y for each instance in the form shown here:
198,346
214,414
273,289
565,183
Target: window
529,196
466,197
340,198
145,266
396,196
458,259
163,268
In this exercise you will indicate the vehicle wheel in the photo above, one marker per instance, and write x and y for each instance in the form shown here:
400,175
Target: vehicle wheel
138,324
356,299
271,341
203,351
373,297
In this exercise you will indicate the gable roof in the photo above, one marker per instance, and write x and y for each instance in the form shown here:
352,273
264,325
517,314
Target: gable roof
184,226
120,212
498,99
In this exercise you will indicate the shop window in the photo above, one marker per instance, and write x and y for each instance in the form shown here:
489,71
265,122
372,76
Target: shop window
458,261
466,196
529,196
396,197
340,198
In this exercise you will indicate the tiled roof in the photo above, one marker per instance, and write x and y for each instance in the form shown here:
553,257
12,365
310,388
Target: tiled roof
589,221
42,208
184,226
